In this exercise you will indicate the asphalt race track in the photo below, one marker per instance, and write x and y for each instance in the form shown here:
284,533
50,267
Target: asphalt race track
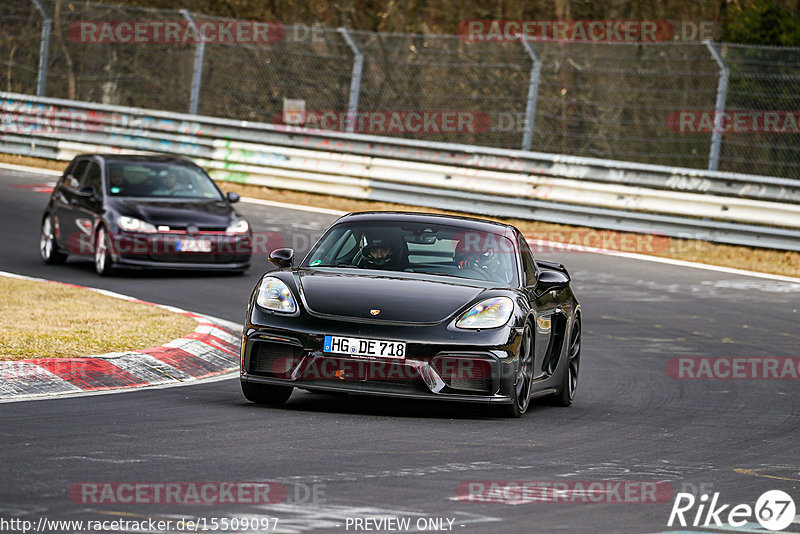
346,457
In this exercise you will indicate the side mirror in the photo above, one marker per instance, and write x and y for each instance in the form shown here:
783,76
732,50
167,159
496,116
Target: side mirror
549,280
232,197
282,257
87,191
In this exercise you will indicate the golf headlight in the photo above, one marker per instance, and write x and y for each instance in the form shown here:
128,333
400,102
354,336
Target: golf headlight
489,313
274,295
238,227
130,224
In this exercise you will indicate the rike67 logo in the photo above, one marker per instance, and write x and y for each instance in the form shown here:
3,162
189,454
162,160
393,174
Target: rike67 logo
774,510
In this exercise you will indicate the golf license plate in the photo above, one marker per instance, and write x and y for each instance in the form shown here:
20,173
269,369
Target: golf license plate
365,348
191,244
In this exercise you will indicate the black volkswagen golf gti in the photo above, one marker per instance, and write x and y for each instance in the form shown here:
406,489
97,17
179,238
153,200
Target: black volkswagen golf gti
416,306
143,211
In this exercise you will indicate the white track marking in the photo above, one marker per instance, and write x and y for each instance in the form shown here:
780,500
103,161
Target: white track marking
36,170
228,375
296,207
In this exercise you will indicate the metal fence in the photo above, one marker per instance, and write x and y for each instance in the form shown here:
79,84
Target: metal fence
610,100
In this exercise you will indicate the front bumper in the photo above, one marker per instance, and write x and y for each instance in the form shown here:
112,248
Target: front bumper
440,363
162,251
128,263
381,392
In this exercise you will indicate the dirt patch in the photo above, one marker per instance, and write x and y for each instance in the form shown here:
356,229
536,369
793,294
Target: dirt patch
34,162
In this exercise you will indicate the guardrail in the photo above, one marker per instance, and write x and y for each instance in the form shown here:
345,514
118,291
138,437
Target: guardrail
686,203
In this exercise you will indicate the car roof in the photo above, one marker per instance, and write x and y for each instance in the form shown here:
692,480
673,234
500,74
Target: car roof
140,158
471,223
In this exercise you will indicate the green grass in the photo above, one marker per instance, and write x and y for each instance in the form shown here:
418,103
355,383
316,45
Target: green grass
44,320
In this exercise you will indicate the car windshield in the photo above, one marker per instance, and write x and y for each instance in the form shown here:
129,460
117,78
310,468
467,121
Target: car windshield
418,248
145,179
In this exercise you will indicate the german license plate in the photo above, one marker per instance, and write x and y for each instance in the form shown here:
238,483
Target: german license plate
365,348
191,244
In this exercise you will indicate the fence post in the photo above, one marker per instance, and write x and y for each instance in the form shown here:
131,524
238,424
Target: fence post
355,79
197,73
44,49
533,93
719,108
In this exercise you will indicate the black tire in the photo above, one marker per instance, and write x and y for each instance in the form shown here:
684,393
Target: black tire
523,382
569,380
103,263
48,248
263,394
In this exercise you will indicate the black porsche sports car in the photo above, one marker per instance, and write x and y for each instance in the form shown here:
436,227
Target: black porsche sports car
143,211
417,306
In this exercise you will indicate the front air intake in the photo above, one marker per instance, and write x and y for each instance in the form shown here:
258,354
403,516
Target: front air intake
464,373
272,359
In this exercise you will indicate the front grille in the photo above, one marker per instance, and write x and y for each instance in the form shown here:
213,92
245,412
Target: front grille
377,373
274,359
464,374
396,375
186,257
336,369
224,249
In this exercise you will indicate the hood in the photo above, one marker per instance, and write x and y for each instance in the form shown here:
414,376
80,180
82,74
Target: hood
178,214
399,298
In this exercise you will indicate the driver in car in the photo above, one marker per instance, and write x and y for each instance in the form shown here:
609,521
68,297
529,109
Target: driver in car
381,251
171,184
117,182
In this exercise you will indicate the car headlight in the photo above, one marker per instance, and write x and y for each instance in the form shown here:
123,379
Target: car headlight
130,224
238,227
274,295
489,313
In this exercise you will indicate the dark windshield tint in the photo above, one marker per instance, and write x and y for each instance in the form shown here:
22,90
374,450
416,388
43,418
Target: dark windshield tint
92,177
144,179
419,248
